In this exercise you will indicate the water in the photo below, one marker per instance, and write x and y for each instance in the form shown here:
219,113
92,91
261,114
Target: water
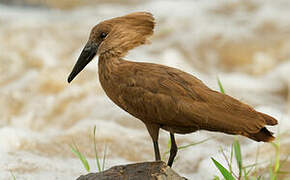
245,43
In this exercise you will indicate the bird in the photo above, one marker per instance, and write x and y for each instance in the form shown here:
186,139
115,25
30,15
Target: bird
163,97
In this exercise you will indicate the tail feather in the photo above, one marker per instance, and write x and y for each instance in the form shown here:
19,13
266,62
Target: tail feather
263,135
269,119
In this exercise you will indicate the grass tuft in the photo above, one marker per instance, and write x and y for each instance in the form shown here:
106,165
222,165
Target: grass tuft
104,159
181,147
226,174
238,156
220,86
13,176
83,159
245,171
96,152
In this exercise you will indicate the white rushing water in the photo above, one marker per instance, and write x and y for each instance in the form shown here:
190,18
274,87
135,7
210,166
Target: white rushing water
245,43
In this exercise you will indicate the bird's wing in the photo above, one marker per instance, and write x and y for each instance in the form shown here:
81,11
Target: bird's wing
168,95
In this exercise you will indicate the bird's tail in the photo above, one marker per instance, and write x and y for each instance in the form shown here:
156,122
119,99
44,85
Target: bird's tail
268,119
263,135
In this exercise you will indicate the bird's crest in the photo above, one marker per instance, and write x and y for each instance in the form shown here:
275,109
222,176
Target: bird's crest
124,33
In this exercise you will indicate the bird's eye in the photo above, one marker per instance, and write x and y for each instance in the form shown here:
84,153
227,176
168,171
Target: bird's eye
103,35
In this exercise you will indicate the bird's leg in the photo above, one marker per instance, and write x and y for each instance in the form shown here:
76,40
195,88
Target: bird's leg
156,151
173,150
153,130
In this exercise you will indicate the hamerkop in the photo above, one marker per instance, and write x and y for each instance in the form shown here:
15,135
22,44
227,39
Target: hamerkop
161,96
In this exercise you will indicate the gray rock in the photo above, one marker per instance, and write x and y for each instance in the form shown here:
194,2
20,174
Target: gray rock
157,170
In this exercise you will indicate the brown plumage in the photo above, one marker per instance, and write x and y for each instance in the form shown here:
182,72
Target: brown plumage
161,96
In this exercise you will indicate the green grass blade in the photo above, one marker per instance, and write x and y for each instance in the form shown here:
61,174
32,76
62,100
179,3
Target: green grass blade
13,176
255,164
167,149
220,86
193,144
276,167
81,157
238,156
228,162
96,152
216,178
104,158
251,167
284,172
226,174
231,159
185,146
226,158
277,154
271,174
245,174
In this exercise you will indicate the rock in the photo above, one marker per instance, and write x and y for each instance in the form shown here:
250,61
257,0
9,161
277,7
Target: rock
157,170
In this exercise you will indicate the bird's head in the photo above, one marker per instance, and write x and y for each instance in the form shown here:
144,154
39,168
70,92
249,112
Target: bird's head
115,37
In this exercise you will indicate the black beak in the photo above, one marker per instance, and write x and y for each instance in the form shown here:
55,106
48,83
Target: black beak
86,56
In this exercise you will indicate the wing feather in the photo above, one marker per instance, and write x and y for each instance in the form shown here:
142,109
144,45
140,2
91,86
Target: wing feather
173,97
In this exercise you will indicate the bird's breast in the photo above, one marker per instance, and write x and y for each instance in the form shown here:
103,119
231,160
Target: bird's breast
113,82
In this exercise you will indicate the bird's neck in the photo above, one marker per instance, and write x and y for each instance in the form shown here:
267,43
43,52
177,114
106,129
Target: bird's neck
108,75
107,62
107,65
